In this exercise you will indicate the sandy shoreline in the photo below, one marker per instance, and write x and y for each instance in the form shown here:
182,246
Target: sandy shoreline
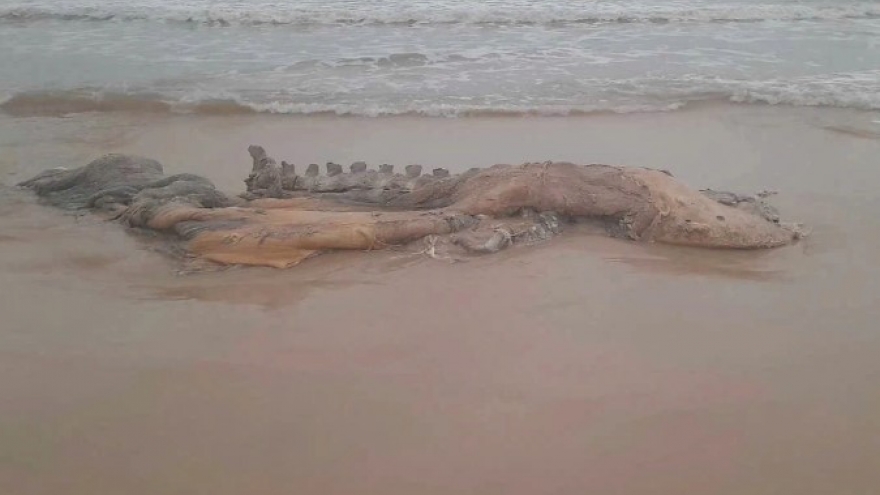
582,365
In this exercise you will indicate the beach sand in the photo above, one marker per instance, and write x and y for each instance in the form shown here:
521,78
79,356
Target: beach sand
582,365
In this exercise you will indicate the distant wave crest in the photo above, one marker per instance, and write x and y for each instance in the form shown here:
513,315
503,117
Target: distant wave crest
311,16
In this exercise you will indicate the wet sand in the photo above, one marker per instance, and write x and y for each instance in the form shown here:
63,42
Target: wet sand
583,365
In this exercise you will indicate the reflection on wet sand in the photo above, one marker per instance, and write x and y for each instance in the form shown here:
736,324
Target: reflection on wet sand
755,267
855,131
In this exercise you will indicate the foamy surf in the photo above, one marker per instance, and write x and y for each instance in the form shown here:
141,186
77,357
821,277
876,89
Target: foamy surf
856,91
439,58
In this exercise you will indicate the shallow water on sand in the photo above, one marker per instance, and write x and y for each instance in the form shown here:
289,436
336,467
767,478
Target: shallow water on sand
584,364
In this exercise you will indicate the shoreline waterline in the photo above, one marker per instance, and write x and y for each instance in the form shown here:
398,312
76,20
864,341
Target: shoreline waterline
71,103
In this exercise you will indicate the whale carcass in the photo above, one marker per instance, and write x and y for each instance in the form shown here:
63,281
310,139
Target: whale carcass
285,217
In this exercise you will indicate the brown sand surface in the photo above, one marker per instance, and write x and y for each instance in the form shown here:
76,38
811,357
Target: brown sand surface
582,365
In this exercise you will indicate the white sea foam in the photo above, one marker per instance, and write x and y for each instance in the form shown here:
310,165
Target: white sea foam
857,91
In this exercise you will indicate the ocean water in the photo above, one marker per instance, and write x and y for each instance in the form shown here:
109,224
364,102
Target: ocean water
439,57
